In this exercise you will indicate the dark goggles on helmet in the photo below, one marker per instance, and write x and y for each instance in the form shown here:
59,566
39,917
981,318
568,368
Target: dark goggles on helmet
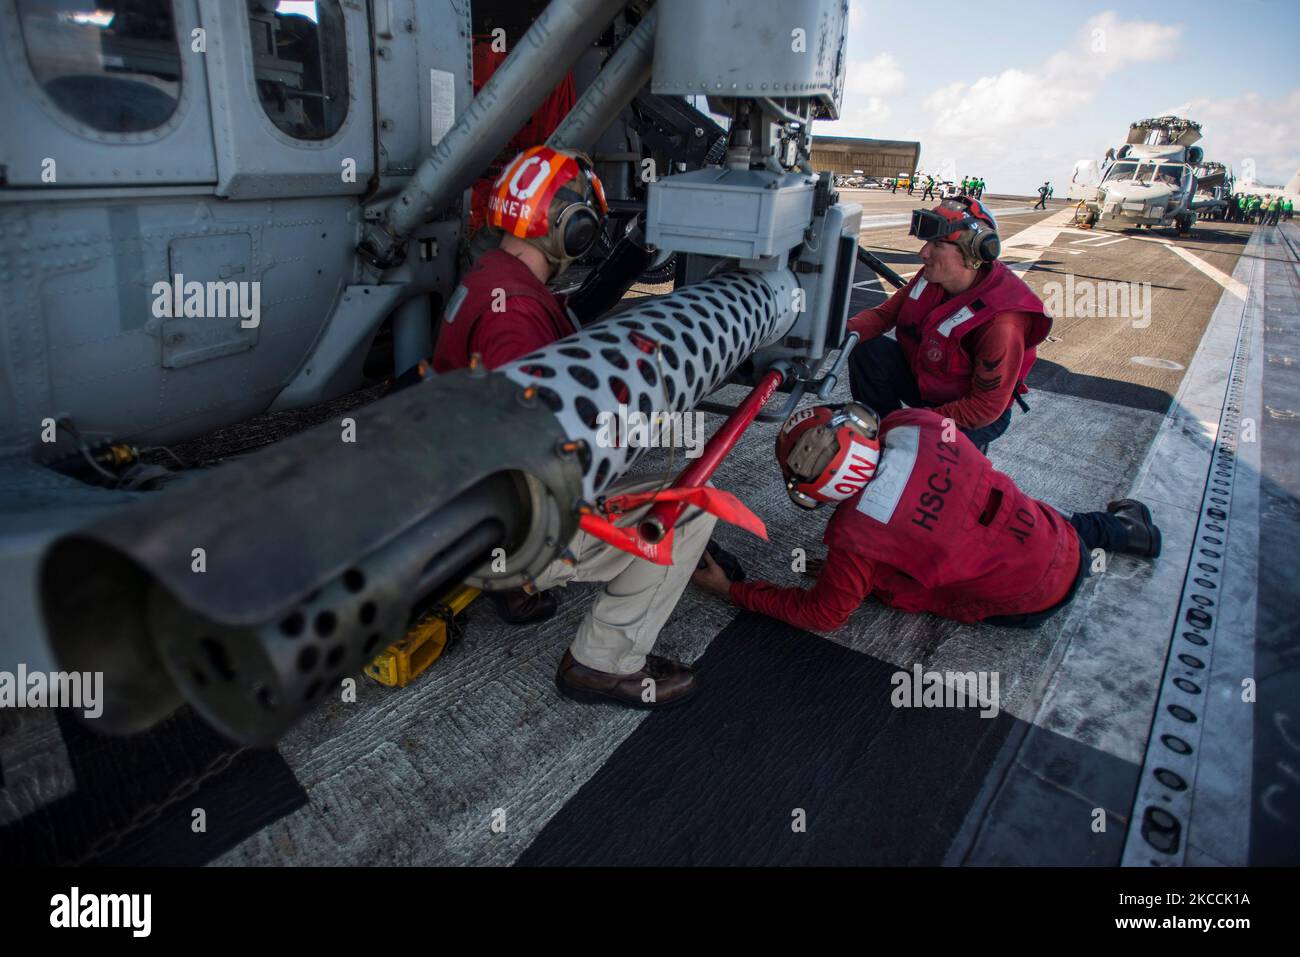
927,224
932,224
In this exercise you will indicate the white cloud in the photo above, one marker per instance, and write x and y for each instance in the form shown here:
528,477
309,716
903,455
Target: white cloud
1250,127
879,76
866,85
1018,127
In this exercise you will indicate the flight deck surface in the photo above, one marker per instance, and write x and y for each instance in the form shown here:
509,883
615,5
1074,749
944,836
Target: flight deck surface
787,721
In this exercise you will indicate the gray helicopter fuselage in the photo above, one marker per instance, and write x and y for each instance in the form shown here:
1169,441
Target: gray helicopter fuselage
182,197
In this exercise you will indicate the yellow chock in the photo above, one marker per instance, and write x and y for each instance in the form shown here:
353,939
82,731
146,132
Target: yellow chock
406,659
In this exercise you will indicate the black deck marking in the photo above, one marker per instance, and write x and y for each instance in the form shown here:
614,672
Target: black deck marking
783,720
118,776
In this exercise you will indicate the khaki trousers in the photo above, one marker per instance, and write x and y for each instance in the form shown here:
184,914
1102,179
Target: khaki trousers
622,626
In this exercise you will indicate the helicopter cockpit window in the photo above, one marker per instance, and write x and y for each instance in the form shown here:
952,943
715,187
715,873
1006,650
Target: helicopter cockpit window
111,64
300,62
1121,172
1170,175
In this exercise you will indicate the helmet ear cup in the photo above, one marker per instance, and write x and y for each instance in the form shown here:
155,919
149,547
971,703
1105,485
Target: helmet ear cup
578,227
989,247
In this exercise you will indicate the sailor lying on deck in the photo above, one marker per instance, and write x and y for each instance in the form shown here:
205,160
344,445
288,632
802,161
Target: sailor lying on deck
924,522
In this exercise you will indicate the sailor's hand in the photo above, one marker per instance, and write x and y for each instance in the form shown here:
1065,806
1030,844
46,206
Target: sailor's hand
711,577
813,567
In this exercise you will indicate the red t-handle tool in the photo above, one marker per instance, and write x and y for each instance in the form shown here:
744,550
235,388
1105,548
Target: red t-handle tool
652,537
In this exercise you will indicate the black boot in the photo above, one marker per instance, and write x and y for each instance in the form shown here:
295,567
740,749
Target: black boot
1143,535
518,607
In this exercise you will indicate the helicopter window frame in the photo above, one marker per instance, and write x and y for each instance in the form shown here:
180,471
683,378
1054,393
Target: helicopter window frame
1180,170
82,108
332,93
1116,174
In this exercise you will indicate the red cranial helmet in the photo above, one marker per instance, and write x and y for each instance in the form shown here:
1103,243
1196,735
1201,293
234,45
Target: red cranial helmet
552,199
828,453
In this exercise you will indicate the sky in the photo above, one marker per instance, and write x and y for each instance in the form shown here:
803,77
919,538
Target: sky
1018,92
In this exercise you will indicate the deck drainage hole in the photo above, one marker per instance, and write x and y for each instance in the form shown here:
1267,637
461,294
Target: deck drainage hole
372,643
1182,714
1191,660
368,612
307,659
265,697
325,624
218,658
354,580
334,657
1175,744
1190,687
1196,639
199,677
1170,779
293,625
312,691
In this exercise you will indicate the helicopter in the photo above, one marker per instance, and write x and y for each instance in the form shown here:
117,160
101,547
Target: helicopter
217,211
1151,183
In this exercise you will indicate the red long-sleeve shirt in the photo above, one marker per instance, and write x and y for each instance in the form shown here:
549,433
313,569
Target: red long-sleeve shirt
844,583
997,349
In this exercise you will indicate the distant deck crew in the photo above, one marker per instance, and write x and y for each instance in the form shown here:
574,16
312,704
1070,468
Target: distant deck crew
929,189
967,328
924,523
1286,210
1043,192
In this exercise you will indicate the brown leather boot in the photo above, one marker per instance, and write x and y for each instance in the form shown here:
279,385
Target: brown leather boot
673,683
518,607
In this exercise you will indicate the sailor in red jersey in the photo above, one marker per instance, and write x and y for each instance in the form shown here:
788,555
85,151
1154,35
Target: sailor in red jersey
549,207
967,328
925,523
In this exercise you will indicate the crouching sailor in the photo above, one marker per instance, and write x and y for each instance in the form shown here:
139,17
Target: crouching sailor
925,523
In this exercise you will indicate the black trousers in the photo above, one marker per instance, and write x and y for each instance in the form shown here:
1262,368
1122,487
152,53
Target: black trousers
879,377
1096,530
